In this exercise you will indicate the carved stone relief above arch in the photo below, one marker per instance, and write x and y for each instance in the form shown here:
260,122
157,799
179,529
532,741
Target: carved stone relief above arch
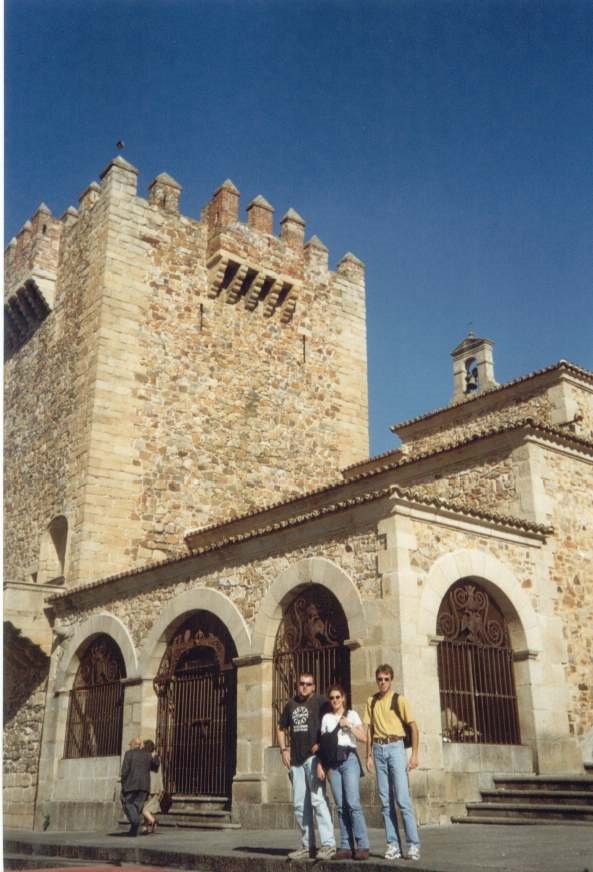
197,599
310,570
496,577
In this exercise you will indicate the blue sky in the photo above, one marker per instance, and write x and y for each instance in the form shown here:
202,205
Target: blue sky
447,144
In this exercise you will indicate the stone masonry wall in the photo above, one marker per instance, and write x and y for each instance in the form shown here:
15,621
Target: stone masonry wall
34,253
153,400
487,483
432,434
204,405
22,744
243,580
46,397
583,399
234,410
431,546
570,482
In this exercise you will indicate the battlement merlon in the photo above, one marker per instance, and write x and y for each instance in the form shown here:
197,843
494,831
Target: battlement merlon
119,178
252,245
165,192
33,255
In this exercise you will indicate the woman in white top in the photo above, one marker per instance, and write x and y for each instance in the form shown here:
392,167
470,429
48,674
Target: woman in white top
342,765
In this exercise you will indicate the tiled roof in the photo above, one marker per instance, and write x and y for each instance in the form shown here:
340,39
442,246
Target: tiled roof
409,494
585,374
459,508
400,459
294,521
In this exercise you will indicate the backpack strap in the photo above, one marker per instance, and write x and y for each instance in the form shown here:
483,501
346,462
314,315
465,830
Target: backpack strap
373,704
395,708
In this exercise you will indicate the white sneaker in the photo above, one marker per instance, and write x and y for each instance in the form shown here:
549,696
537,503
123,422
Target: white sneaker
326,852
302,854
414,852
393,853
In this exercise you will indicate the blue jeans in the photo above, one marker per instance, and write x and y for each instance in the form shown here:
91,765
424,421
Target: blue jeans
132,802
392,784
308,797
345,782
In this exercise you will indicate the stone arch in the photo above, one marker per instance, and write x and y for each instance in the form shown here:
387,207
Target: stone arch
497,578
309,570
102,623
198,599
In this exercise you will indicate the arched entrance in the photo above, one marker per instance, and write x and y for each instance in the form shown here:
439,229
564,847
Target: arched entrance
311,639
197,714
475,663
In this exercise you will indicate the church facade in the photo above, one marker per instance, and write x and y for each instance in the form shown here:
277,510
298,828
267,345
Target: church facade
192,518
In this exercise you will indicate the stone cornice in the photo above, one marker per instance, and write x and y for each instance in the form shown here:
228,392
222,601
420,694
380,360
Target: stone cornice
462,517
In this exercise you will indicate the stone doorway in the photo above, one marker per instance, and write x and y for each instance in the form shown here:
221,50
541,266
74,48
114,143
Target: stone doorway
196,685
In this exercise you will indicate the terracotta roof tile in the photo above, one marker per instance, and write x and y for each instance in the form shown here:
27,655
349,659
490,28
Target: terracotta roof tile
409,494
561,364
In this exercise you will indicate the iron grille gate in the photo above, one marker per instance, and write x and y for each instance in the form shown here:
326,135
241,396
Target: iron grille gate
310,639
196,731
475,663
197,713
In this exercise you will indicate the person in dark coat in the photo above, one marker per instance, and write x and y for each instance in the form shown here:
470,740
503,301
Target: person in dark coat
135,782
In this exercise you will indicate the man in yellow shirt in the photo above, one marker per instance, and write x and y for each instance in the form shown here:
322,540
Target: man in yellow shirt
386,754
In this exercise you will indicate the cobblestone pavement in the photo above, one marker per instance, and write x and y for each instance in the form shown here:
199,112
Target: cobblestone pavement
466,848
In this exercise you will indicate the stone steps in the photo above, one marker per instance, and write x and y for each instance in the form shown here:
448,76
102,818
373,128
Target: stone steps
545,782
539,797
517,799
529,810
518,821
198,813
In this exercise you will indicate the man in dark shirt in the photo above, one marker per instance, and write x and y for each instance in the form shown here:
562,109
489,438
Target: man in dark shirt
135,782
302,719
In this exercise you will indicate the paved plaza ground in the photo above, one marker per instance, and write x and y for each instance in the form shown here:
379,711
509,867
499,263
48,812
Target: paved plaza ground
454,848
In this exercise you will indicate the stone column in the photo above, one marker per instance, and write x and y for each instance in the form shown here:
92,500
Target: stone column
254,738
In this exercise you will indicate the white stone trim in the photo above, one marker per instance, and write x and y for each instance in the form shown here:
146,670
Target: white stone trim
305,572
105,623
449,517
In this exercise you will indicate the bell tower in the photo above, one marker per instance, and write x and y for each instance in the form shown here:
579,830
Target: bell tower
473,367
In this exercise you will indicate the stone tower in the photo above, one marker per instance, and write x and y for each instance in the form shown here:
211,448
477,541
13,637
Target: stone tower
165,372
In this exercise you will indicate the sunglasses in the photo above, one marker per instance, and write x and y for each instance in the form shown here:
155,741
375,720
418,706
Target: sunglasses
307,683
335,697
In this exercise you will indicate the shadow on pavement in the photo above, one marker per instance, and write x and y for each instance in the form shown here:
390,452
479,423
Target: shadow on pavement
268,852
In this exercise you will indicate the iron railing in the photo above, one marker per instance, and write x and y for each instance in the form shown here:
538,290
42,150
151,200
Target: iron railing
95,720
478,697
196,731
330,665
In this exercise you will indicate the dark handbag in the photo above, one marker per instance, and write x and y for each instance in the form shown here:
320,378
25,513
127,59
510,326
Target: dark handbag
165,802
328,748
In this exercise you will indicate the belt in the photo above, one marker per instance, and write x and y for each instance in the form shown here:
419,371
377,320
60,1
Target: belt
388,740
